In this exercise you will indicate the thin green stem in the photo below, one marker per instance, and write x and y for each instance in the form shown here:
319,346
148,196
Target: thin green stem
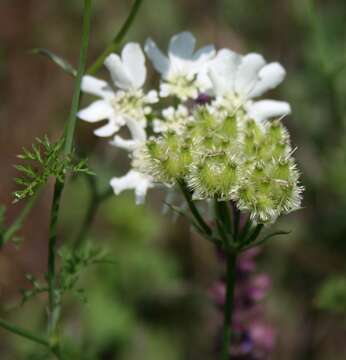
18,222
228,310
96,199
223,213
118,39
53,293
194,211
245,229
54,297
23,333
236,222
253,236
71,124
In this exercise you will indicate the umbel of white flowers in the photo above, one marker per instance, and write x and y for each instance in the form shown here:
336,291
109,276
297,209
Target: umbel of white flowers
210,134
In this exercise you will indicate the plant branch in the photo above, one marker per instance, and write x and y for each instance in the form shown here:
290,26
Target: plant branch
228,310
18,222
198,217
96,199
118,39
23,333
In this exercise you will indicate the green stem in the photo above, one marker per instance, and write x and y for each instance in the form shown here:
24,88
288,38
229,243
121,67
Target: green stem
71,124
116,42
236,222
228,310
223,213
94,204
198,217
18,222
23,333
54,297
254,235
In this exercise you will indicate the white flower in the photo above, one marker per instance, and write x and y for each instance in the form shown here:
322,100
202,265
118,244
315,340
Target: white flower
128,102
183,69
133,180
239,79
173,119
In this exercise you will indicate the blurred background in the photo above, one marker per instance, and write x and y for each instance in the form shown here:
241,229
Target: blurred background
152,300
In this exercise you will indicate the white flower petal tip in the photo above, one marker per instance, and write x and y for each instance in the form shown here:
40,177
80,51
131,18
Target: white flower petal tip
205,53
96,111
182,45
118,72
134,61
107,130
270,76
159,60
129,71
94,86
135,180
247,73
129,145
266,109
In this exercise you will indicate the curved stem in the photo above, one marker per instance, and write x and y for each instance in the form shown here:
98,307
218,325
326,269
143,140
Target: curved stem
18,222
96,200
228,310
23,333
198,217
114,45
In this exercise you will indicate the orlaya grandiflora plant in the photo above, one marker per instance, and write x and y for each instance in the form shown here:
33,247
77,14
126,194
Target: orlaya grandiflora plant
213,142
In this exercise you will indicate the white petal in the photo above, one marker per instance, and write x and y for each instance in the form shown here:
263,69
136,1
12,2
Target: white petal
107,130
159,60
151,97
132,180
247,74
137,129
133,59
182,45
96,111
129,145
159,126
94,86
205,53
270,76
141,190
223,70
265,109
119,72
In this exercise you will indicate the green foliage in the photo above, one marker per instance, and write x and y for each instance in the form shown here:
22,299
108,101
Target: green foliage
45,160
332,295
36,288
58,60
73,264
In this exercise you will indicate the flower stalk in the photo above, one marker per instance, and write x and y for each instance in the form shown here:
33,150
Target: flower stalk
118,39
23,333
53,287
228,310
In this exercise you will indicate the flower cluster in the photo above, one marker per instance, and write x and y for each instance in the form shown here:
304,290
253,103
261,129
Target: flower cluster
210,135
253,337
